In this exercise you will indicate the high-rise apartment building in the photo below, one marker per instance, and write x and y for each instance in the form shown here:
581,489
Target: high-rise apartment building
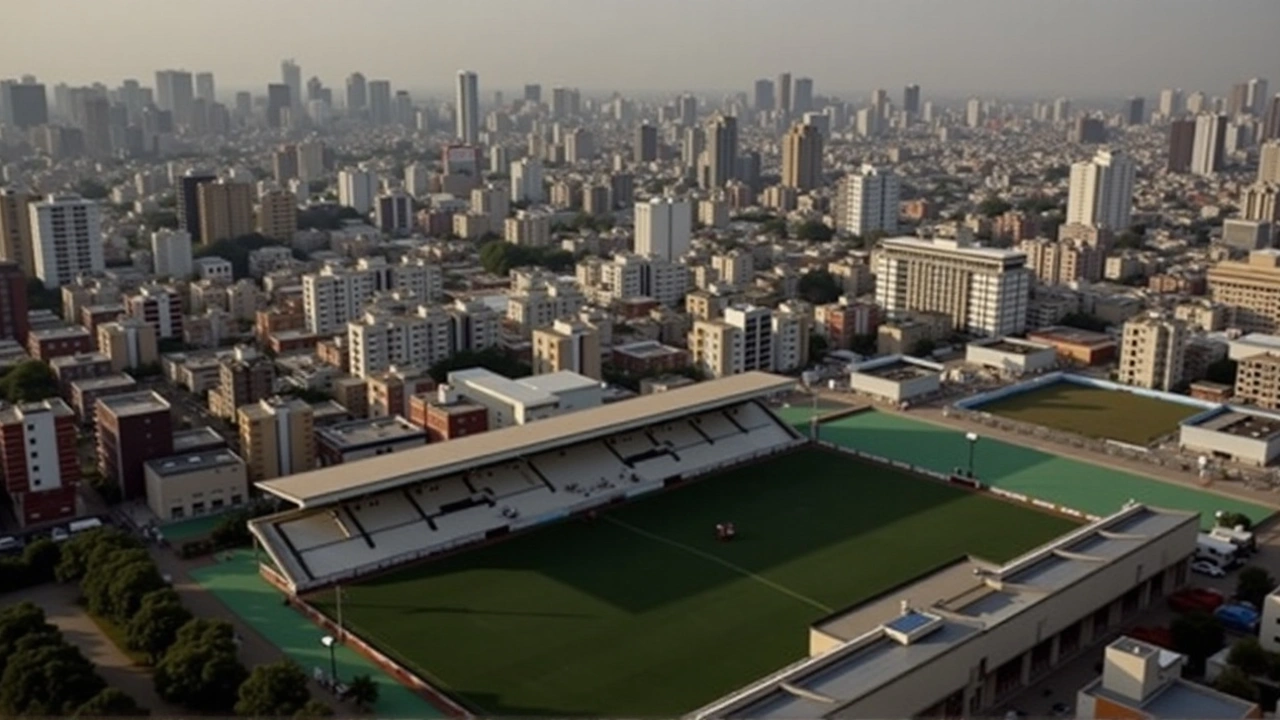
278,214
721,153
754,325
1271,119
244,377
1258,381
226,210
1261,201
335,296
171,254
975,113
626,276
1101,192
764,100
380,102
14,322
291,77
1058,262
533,93
377,342
357,188
1209,145
159,307
783,86
802,96
129,343
802,157
468,108
205,88
526,181
280,110
277,437
911,100
1151,352
645,148
985,291
66,238
357,93
189,200
1170,102
567,345
132,428
1135,110
1251,288
393,213
1182,142
1269,162
663,227
15,230
867,201
175,93
28,104
41,464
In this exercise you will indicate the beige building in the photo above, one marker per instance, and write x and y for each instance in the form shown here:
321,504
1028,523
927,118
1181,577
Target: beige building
715,348
1261,201
802,157
186,486
1152,351
129,343
15,230
1258,381
277,437
1252,287
567,345
226,210
278,214
243,378
736,267
528,228
1206,315
1062,261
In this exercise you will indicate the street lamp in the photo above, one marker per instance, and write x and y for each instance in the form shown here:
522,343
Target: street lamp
329,642
972,437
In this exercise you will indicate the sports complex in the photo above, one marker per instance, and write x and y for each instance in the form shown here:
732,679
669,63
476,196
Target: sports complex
572,566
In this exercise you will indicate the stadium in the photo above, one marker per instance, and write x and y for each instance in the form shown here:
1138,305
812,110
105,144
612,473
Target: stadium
570,566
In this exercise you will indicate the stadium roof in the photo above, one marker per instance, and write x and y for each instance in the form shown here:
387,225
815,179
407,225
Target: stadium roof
350,480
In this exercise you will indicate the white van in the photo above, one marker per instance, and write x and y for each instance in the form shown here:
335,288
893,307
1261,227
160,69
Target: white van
1221,552
79,526
1244,540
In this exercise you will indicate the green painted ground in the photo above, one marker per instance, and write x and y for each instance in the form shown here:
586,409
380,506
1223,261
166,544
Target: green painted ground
1084,486
1094,412
644,613
191,529
237,584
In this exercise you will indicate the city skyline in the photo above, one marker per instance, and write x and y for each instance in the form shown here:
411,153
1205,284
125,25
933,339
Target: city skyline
939,46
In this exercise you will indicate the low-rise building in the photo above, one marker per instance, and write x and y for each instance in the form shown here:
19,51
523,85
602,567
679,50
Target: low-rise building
1075,345
196,484
446,421
897,378
1144,681
50,343
649,357
370,437
1010,356
1241,434
518,402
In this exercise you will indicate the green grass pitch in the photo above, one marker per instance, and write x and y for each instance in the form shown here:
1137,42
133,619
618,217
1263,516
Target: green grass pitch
642,612
1094,412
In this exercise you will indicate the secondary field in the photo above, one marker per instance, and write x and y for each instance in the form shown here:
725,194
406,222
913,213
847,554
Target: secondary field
644,613
1094,412
1076,484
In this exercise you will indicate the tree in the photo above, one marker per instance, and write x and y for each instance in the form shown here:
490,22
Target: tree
115,586
17,622
363,691
1234,681
1084,321
1222,371
236,250
994,206
29,381
820,287
46,676
924,348
818,347
776,227
111,702
92,190
1253,584
815,231
41,558
200,670
1249,656
313,709
80,549
1234,520
155,626
500,257
491,359
274,690
1196,635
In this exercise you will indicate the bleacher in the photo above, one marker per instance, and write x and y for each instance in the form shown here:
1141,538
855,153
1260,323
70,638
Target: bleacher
355,537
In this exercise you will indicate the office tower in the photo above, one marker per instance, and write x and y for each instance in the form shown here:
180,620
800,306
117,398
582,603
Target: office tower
357,93
764,100
357,188
1170,102
663,228
1209,144
985,291
802,157
1238,100
1256,96
317,91
721,152
278,213
802,96
14,323
66,238
244,104
291,76
15,230
579,146
783,86
1101,192
277,437
1088,130
132,428
568,345
380,102
867,201
175,93
310,160
188,200
1269,162
42,465
646,144
1135,110
226,210
468,108
559,102
1271,119
688,110
974,115
526,181
279,105
393,213
1182,140
1251,288
1196,103
128,343
205,89
533,93
27,104
171,254
911,100
1151,352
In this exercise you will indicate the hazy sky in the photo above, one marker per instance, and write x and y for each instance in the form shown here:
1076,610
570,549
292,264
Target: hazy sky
999,46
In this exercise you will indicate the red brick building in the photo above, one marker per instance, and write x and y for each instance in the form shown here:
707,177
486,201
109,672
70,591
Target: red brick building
649,357
446,422
56,342
1082,346
132,429
38,454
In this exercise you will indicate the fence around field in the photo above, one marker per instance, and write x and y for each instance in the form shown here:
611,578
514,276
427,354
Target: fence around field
985,398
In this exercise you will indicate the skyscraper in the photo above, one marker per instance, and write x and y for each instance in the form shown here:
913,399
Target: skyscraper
867,201
279,105
357,188
291,76
802,157
205,89
1210,139
1101,193
1256,96
764,100
66,238
646,143
468,112
357,93
380,102
28,104
974,115
533,93
1182,139
174,92
226,210
1170,102
1271,119
802,96
189,200
663,226
721,152
911,100
688,110
1135,110
15,229
1269,162
784,92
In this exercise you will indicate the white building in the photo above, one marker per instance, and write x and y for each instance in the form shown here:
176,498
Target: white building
66,238
214,268
357,188
543,304
1208,146
467,110
171,253
417,179
627,276
790,339
310,160
334,296
754,324
518,402
663,227
1101,194
476,326
526,181
867,201
377,342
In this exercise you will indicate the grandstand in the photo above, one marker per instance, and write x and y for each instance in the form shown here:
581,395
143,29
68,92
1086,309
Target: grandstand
364,517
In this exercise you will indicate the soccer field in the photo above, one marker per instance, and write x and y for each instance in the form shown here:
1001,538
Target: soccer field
642,612
1094,412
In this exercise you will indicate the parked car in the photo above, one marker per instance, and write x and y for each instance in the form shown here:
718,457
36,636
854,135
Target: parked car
1238,618
1196,600
1206,567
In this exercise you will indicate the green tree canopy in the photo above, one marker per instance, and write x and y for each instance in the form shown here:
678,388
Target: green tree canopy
17,622
1197,635
994,206
114,587
1253,584
815,231
820,287
491,359
363,690
84,548
29,381
200,670
92,190
47,677
1234,681
1248,655
313,709
154,628
1234,519
111,702
273,690
236,250
500,257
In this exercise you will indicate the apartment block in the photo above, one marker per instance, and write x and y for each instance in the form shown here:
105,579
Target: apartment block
158,306
1152,352
567,345
1258,381
244,377
129,343
41,464
1251,288
277,437
132,429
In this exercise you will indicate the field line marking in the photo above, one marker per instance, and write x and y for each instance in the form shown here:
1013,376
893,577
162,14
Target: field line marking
721,561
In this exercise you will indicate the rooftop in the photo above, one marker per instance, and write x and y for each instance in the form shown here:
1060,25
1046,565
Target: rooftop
60,332
1012,347
646,349
79,359
134,403
196,439
334,484
104,383
369,431
1064,334
1242,424
195,462
953,247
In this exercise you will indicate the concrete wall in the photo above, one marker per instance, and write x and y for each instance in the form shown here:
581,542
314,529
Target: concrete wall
1248,450
894,390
